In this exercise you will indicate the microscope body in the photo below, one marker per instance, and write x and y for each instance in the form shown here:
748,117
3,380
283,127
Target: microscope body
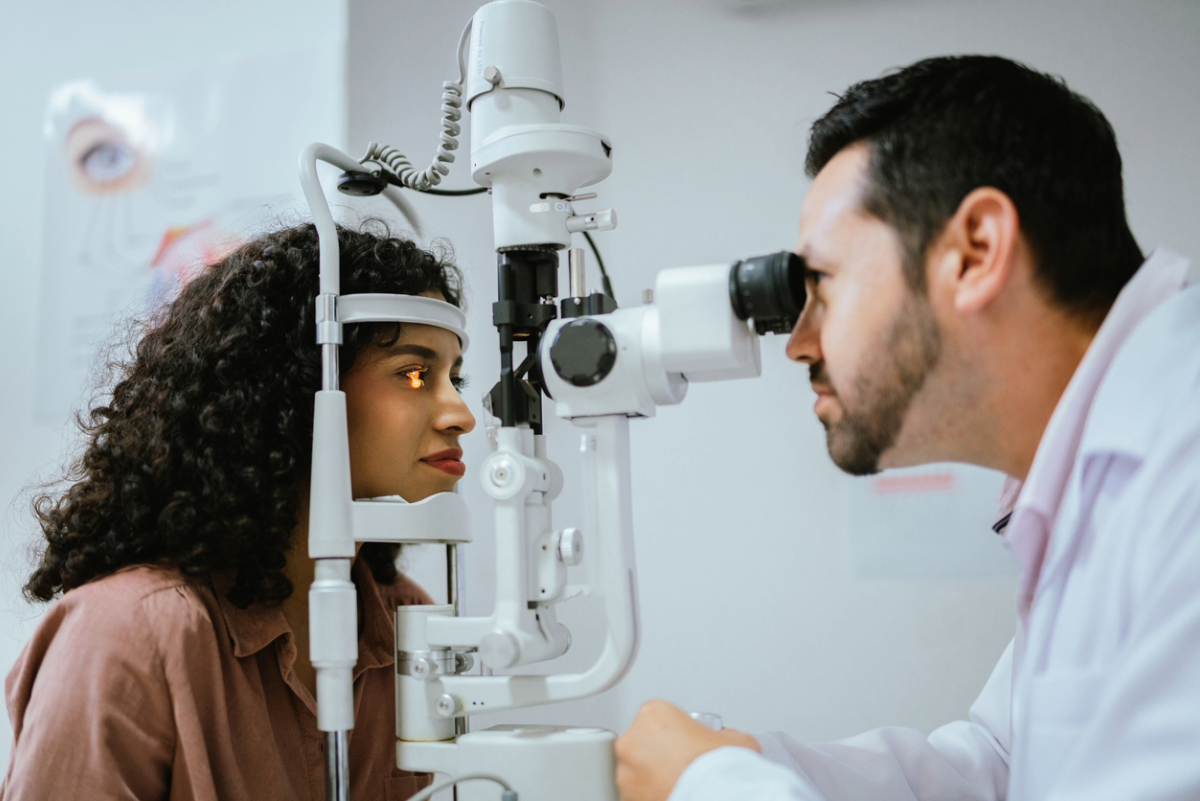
601,366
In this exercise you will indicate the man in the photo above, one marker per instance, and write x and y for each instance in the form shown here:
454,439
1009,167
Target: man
975,295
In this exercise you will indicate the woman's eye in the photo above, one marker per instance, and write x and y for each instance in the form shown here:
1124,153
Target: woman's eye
460,382
416,377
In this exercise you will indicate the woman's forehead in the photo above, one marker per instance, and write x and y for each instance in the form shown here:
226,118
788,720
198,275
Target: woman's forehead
443,343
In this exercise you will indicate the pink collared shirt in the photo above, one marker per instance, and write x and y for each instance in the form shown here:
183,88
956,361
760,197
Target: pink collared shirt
147,685
1038,499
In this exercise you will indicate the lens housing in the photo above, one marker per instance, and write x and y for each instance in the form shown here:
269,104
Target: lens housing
769,289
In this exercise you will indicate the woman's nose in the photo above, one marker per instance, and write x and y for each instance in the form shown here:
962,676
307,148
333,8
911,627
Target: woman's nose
454,413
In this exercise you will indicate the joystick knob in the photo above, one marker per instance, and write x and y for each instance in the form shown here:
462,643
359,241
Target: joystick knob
584,352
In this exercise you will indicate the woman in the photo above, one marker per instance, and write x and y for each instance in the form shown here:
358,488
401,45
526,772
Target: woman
175,664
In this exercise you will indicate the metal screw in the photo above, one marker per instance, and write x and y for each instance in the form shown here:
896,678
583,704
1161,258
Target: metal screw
647,296
500,475
446,705
491,75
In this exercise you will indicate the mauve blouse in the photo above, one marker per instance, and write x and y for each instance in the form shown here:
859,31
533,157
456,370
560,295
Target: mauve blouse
146,685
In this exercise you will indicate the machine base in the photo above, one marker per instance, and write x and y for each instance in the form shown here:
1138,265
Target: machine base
542,763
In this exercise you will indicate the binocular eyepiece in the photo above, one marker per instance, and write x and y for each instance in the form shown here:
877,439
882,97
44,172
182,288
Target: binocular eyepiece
770,290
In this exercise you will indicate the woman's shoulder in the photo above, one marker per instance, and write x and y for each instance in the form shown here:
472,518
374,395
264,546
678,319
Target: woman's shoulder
138,605
162,586
403,592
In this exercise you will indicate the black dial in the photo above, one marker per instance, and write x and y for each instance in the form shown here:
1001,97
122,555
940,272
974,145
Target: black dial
583,352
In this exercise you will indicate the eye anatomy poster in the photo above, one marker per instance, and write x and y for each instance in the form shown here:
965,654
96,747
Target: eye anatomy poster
151,178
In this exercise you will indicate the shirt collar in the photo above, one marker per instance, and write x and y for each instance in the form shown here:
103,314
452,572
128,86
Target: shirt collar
257,626
1037,504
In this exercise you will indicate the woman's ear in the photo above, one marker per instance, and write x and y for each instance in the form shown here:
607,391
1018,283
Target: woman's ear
974,254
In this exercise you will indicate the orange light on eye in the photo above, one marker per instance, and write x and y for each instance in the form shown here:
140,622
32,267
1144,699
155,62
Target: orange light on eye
414,379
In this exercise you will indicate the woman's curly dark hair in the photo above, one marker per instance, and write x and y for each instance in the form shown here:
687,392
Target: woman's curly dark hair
200,456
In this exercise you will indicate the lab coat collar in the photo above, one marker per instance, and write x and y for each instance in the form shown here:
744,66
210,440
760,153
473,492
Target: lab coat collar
1037,504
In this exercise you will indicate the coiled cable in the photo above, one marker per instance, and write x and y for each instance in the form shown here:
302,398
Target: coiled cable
399,165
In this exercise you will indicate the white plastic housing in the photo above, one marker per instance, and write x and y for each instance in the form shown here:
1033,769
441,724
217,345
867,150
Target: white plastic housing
333,642
518,146
689,334
542,763
607,463
521,629
638,382
520,39
701,336
415,697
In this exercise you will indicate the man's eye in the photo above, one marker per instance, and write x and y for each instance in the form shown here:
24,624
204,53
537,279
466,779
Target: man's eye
460,382
416,377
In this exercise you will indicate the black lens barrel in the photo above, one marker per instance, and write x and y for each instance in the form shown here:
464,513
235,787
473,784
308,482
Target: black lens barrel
769,289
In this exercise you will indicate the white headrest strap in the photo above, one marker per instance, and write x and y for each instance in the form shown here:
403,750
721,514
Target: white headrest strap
403,309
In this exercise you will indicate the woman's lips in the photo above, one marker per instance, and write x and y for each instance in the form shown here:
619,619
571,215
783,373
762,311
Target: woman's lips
448,461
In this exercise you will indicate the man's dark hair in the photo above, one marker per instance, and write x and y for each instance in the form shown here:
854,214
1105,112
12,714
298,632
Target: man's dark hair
943,127
199,457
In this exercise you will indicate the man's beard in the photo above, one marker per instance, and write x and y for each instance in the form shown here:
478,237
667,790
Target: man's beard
889,379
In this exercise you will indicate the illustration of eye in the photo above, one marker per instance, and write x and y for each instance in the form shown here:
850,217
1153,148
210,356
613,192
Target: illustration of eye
102,158
108,161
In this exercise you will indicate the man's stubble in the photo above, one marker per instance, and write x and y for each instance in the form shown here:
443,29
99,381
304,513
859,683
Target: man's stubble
891,376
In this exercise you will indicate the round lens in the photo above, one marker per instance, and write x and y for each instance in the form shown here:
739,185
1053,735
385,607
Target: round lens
770,290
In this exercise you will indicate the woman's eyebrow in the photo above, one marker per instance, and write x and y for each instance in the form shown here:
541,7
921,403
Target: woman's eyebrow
411,350
420,351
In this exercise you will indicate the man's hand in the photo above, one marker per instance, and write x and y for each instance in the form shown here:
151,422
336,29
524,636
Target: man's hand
659,746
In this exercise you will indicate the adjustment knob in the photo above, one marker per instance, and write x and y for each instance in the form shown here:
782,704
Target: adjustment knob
570,546
583,352
499,650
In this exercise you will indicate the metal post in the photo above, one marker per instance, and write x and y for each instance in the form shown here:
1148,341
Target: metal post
337,766
452,597
575,273
329,366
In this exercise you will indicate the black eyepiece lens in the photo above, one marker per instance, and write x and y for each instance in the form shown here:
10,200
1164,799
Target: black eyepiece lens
770,290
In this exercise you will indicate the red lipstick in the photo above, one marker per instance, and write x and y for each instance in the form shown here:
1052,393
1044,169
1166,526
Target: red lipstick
448,461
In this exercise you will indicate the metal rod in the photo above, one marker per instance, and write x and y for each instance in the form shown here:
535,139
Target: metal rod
506,290
337,766
454,567
452,577
329,366
575,272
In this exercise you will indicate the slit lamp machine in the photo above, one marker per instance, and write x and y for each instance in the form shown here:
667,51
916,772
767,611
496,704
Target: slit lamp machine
599,365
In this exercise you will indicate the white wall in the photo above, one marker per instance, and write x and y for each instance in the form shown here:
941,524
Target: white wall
749,605
44,43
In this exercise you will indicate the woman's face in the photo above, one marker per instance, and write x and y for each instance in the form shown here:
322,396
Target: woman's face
405,415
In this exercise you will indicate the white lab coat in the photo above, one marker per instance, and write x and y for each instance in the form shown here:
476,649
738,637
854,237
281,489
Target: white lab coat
1099,695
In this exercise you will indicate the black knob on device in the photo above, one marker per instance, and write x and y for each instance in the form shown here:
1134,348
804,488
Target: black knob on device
583,352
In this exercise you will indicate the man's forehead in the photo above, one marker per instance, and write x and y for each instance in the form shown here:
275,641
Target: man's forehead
835,195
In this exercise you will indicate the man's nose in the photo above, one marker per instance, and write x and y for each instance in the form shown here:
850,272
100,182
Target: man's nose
804,345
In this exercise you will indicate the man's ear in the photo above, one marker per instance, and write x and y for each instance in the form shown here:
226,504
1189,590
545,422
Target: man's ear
973,259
